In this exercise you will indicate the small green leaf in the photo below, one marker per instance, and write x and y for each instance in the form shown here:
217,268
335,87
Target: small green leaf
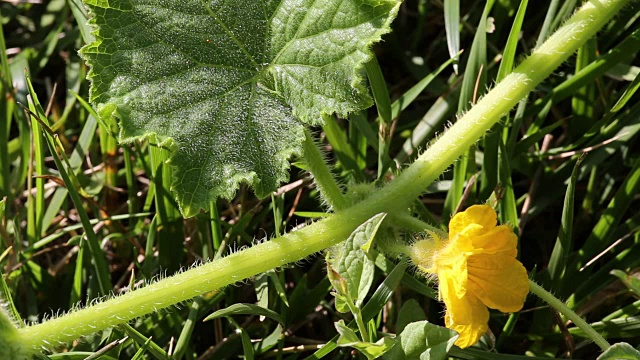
347,335
227,85
245,309
341,303
422,340
353,264
348,338
409,312
270,340
620,351
373,306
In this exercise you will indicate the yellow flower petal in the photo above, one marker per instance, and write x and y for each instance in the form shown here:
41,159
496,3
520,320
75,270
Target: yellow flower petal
476,220
458,307
500,240
456,247
473,328
476,268
500,282
451,263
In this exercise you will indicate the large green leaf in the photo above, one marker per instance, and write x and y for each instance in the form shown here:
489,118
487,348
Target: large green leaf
228,84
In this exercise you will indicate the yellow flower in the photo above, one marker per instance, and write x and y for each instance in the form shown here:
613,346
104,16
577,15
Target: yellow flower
476,268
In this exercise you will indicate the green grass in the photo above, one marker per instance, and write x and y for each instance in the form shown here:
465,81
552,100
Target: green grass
578,220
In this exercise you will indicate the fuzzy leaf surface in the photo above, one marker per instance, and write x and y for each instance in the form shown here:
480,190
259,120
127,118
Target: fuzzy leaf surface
423,340
354,268
228,85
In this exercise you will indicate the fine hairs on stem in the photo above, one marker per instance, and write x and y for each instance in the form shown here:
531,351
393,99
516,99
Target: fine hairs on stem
394,198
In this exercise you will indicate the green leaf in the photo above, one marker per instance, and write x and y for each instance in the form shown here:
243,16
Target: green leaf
347,335
353,264
422,340
341,303
372,308
620,351
409,312
270,340
245,309
227,85
348,338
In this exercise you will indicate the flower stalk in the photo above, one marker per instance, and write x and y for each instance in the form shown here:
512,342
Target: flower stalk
564,310
394,198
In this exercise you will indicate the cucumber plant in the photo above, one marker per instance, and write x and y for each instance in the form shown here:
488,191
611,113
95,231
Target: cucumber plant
231,90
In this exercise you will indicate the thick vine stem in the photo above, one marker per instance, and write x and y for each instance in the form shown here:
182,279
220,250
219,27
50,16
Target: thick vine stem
564,310
395,197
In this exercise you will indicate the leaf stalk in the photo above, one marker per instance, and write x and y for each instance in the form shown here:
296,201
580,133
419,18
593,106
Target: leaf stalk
321,172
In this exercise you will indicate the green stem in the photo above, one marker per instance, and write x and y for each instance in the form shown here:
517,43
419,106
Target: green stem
507,329
109,148
130,178
325,181
170,224
564,310
183,286
216,230
394,198
409,222
357,315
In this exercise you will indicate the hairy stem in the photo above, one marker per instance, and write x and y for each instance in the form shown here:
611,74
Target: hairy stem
394,198
564,310
325,182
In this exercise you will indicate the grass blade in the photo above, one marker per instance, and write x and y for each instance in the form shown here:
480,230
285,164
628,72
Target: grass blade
563,245
452,28
245,309
601,235
99,260
474,79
